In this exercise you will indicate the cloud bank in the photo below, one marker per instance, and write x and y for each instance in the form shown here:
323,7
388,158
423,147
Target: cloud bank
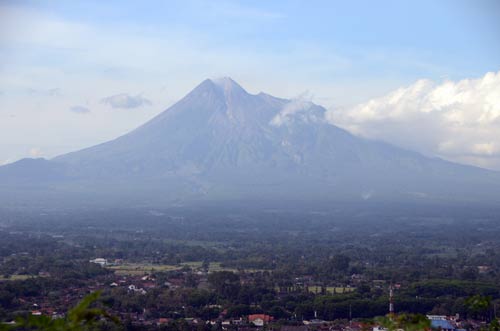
459,121
126,101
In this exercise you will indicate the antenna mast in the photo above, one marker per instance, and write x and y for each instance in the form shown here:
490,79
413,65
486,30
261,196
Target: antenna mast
391,301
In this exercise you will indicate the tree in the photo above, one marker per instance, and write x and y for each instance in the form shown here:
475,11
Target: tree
340,263
80,318
226,284
407,322
478,305
494,325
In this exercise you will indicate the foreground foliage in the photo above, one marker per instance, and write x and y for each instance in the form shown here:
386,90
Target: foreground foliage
81,318
407,322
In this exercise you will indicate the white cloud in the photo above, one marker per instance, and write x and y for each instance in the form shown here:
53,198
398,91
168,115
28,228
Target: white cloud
80,110
300,103
53,92
300,108
35,152
126,101
459,121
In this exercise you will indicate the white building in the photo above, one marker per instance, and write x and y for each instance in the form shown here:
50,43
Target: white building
100,261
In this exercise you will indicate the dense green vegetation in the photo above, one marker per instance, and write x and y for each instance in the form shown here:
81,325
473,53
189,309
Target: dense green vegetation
284,264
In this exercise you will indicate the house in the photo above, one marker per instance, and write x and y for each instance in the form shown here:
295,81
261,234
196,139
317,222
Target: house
56,315
259,319
356,278
102,262
133,288
314,321
482,269
357,326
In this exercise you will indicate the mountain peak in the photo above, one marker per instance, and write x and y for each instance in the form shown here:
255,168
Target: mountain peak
225,82
223,87
228,86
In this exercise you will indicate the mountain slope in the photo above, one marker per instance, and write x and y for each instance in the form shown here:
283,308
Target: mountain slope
220,142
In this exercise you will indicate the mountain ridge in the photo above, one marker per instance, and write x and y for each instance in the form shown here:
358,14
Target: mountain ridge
221,142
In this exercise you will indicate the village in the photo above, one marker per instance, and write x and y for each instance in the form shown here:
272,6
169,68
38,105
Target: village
137,285
200,276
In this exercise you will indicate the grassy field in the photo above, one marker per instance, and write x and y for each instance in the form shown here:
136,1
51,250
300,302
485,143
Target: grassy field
214,266
16,277
137,269
331,289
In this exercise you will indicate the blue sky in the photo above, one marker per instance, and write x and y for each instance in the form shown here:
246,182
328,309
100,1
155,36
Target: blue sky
436,38
322,42
62,55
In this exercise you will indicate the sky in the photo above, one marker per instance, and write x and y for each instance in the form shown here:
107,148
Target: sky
423,75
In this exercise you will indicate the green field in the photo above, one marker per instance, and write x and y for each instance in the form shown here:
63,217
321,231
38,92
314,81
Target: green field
331,289
136,269
16,277
317,289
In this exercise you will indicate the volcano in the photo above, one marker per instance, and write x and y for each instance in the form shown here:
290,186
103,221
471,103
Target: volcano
222,143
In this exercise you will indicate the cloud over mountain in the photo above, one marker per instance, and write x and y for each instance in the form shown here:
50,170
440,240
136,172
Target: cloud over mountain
458,120
35,152
80,110
126,101
302,104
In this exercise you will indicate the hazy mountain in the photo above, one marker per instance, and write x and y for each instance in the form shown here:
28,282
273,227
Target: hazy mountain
220,142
